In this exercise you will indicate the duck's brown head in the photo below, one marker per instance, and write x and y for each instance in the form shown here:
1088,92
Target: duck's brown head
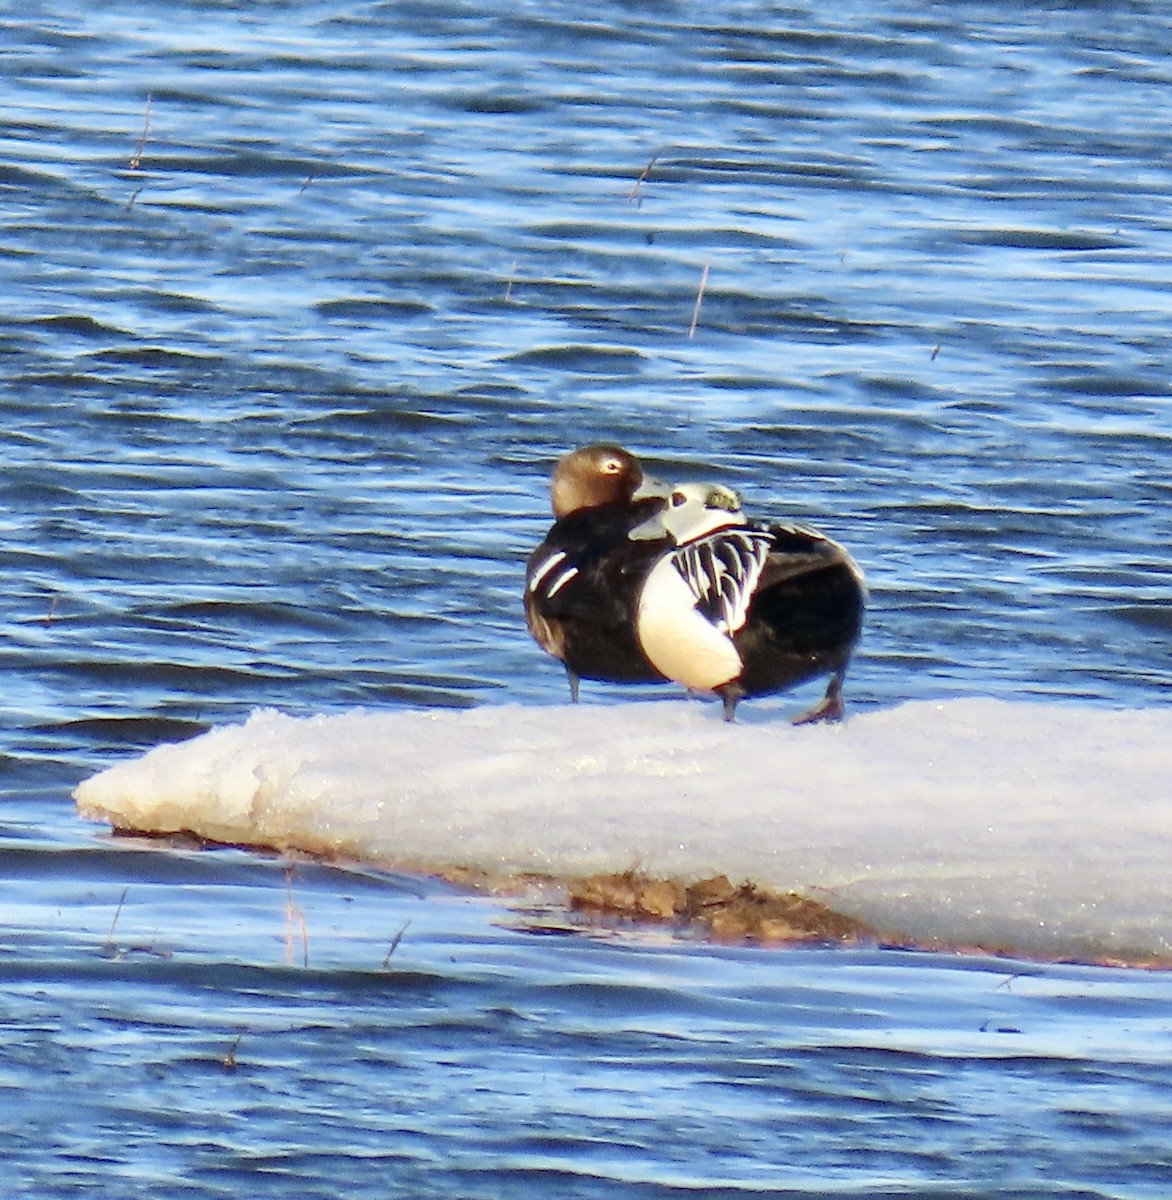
594,475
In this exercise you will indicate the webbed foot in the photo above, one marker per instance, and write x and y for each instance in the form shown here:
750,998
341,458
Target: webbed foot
830,708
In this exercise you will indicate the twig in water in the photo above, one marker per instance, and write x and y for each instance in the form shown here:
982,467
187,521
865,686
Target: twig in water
935,351
110,947
699,301
140,145
509,285
116,953
395,945
633,196
308,180
133,197
228,1062
294,919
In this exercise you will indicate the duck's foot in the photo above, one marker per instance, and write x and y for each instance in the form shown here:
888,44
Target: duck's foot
573,680
830,708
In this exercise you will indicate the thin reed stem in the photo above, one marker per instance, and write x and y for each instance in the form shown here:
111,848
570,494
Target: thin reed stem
633,196
294,923
140,145
395,945
699,301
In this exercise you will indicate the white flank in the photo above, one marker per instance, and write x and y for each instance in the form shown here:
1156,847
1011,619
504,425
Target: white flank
681,643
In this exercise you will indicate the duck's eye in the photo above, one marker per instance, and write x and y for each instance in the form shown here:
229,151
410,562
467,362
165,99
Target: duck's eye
678,498
611,466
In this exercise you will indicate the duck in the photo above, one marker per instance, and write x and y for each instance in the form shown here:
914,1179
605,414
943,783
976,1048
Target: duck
740,608
582,583
641,582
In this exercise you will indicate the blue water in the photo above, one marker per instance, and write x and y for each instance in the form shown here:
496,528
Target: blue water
279,406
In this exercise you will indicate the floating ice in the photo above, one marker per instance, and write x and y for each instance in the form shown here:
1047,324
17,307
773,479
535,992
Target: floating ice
1042,827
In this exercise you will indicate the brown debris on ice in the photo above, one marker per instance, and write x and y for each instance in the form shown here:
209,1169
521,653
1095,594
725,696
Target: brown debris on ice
713,908
716,908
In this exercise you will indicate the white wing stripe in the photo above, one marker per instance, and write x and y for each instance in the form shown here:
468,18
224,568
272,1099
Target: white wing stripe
560,582
542,571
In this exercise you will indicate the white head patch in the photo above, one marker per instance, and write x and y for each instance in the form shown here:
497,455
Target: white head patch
693,510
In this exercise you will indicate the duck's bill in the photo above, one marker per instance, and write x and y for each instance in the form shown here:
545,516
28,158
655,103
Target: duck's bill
652,489
651,529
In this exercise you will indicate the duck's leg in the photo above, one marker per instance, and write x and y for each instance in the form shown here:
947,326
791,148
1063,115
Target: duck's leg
572,679
730,693
830,707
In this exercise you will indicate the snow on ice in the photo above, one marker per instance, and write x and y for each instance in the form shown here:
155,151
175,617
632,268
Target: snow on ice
1039,826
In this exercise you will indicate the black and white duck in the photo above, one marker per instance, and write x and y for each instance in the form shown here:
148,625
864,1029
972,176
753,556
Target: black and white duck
742,609
638,583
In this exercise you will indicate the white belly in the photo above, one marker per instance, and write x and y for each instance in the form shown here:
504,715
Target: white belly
681,643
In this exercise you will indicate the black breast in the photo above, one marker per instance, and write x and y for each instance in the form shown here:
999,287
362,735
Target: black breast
584,582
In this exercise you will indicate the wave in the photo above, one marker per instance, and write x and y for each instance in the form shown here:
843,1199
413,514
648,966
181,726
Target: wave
1034,828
